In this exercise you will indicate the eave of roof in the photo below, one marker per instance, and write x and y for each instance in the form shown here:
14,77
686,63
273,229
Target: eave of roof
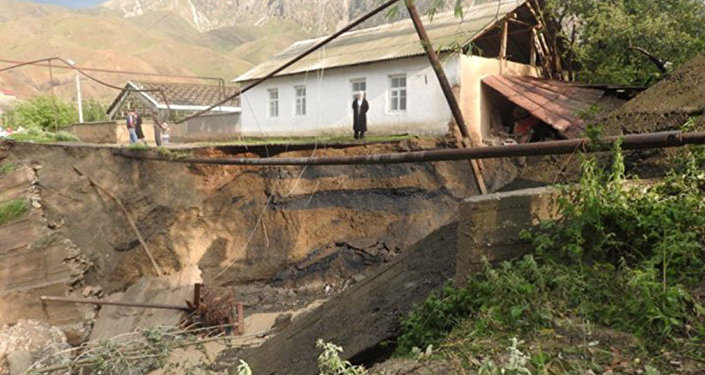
556,103
388,42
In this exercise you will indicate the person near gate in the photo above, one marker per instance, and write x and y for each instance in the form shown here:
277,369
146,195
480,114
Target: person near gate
131,122
360,108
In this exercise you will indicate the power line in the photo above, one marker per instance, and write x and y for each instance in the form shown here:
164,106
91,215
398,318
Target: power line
47,63
294,60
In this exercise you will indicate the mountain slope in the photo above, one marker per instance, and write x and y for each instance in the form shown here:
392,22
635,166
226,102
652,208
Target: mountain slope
155,42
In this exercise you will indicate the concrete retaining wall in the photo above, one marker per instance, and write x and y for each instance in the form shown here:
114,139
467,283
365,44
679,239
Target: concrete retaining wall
490,225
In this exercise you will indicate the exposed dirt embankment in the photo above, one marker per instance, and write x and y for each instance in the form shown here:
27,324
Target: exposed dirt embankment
308,229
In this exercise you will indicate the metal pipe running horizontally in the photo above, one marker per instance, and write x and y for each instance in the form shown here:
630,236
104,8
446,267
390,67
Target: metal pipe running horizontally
125,304
629,142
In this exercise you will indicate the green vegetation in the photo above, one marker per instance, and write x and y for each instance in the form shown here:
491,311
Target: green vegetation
42,136
7,168
330,363
614,274
609,33
94,110
601,40
12,210
43,113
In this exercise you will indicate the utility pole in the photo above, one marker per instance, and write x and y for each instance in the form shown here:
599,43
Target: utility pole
79,99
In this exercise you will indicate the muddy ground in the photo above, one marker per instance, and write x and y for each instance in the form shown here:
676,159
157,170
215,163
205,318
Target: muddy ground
280,238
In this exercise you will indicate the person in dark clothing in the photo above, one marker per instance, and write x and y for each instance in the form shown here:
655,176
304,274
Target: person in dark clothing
138,128
360,108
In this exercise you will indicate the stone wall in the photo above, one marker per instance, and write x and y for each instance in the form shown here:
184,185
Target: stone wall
490,226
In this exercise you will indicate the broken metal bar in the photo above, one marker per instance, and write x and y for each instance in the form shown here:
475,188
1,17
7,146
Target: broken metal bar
240,318
126,304
294,60
584,145
446,88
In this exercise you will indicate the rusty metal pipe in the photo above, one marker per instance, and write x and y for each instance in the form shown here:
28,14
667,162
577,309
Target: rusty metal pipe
629,142
125,304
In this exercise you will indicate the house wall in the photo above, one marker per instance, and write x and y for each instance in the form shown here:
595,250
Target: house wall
476,107
329,101
220,127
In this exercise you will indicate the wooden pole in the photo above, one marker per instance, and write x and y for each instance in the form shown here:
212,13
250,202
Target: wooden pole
446,88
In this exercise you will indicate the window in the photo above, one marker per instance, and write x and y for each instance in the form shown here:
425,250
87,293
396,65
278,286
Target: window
357,86
397,94
274,103
300,100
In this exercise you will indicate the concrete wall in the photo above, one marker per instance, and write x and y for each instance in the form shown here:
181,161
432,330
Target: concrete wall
96,132
475,105
219,127
489,226
113,132
330,95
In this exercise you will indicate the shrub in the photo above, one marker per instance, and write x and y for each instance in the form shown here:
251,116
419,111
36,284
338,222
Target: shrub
621,257
44,113
12,210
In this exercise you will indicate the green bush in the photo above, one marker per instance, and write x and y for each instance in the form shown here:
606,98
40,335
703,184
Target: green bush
93,111
622,257
41,136
43,112
12,210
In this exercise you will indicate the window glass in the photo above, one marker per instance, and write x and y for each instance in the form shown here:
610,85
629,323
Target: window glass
300,100
274,103
397,93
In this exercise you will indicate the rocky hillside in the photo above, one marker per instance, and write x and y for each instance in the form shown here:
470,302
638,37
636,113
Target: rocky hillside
205,15
159,41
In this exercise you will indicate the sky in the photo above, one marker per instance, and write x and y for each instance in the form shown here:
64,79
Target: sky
71,3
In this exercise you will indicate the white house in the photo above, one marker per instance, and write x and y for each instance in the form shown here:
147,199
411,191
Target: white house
314,96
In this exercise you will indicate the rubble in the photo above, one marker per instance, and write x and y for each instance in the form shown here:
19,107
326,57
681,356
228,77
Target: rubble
29,341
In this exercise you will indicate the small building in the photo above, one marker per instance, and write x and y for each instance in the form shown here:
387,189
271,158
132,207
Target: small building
314,96
175,101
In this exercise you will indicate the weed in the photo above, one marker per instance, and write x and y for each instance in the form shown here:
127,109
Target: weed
138,147
621,257
12,210
42,136
330,363
7,168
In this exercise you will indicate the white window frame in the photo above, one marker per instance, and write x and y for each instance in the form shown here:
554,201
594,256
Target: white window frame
273,101
397,93
300,105
355,81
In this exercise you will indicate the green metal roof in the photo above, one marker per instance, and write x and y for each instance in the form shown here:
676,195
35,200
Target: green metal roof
388,42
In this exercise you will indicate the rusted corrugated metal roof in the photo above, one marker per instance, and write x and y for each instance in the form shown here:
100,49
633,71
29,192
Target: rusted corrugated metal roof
389,42
556,103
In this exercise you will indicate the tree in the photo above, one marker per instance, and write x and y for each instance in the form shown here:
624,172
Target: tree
628,41
43,112
620,41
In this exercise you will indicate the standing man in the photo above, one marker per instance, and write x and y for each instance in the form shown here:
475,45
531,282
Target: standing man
360,108
131,123
138,129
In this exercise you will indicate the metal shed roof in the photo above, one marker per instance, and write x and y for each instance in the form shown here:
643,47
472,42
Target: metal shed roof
389,42
556,103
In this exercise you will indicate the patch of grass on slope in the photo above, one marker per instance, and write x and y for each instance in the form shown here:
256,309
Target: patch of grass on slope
12,210
609,286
